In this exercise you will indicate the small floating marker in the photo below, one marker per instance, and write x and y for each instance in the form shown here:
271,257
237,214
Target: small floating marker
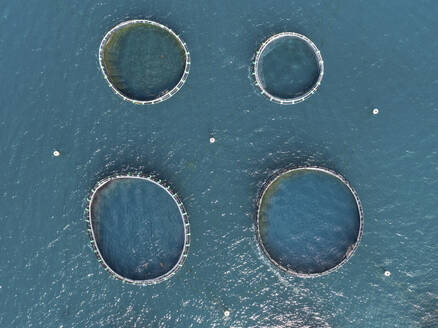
212,140
56,153
375,111
226,313
387,273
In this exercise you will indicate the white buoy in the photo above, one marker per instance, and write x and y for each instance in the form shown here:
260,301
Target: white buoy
212,140
387,273
56,153
375,111
226,313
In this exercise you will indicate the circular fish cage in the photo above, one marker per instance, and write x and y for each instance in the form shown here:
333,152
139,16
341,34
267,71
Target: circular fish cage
312,267
155,66
266,48
91,226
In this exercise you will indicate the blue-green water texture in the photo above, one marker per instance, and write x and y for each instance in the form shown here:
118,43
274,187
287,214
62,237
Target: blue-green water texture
138,228
379,54
308,221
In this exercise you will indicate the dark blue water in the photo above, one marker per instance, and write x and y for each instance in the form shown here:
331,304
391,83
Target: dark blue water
138,228
308,221
288,68
143,61
53,96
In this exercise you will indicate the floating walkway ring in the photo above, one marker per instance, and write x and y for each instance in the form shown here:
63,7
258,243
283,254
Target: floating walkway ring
349,253
182,211
167,94
258,81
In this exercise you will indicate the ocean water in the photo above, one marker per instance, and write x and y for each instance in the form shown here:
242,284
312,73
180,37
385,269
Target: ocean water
308,221
138,227
53,96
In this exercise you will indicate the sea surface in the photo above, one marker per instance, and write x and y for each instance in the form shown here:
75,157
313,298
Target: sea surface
378,54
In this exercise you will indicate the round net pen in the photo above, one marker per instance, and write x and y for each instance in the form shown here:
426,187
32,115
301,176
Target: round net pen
91,233
272,179
256,71
162,96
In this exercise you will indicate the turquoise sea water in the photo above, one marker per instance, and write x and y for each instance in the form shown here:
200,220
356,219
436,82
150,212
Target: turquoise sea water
308,221
376,54
138,228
